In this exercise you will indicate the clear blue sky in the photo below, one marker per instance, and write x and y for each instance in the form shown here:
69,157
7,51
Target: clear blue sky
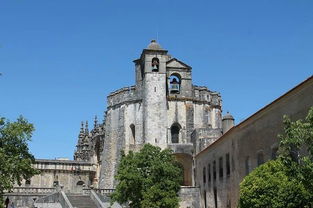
61,58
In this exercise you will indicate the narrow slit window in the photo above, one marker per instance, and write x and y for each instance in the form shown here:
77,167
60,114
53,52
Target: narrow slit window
214,170
221,167
204,175
209,173
227,164
247,165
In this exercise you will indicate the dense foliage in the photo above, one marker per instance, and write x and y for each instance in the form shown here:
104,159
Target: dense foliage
15,159
287,181
149,178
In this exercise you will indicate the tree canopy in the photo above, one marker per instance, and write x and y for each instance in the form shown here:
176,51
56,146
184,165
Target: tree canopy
15,158
288,180
149,178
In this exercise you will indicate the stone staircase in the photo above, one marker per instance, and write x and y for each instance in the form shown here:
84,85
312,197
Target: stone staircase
81,201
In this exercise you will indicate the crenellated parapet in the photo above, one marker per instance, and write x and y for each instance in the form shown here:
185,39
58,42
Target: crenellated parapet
200,95
203,137
203,94
123,96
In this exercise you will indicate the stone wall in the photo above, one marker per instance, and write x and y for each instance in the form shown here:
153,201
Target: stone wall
122,96
114,143
155,109
236,153
69,174
24,197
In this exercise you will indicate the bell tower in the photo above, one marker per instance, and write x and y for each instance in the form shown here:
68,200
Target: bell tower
154,87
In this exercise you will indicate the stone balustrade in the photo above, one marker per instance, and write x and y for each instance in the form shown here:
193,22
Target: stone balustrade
104,191
31,191
64,165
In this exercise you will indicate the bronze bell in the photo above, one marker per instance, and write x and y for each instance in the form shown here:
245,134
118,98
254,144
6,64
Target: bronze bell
174,86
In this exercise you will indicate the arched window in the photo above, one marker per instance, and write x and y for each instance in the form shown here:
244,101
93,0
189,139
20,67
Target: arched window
175,81
133,134
175,132
155,64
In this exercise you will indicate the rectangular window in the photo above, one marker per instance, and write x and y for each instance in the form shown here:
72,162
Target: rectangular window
204,176
227,165
247,165
221,167
194,173
209,172
214,170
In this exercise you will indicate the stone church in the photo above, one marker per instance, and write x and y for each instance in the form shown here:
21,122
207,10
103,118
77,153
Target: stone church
163,108
166,109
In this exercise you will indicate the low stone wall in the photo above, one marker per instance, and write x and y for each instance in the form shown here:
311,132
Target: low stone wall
48,205
22,201
189,197
24,197
55,200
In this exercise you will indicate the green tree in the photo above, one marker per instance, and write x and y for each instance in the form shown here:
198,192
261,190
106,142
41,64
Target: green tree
15,159
270,186
287,181
149,178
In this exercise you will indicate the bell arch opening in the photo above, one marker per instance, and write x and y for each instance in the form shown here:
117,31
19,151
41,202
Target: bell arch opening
155,64
175,82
